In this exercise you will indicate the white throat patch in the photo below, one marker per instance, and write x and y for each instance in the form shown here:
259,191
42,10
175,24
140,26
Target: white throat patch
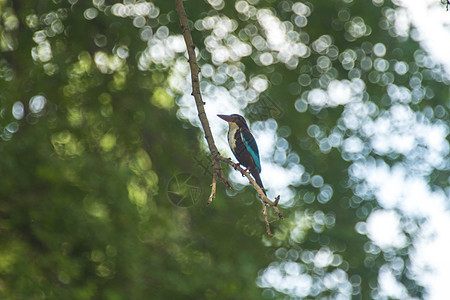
231,133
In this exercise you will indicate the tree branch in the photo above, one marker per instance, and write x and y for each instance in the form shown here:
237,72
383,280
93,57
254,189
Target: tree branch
213,189
215,156
264,209
198,98
258,189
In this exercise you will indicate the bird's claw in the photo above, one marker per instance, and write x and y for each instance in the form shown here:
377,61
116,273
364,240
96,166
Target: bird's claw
235,166
243,172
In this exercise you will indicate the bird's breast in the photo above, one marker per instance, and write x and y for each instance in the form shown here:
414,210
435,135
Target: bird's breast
232,136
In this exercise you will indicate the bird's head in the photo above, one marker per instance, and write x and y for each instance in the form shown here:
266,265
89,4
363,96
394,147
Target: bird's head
234,119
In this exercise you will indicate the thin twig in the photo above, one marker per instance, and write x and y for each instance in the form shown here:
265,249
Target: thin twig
197,95
213,189
446,2
264,209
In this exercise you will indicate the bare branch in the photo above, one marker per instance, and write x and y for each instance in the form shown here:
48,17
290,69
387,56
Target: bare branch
258,189
446,2
264,209
215,156
213,189
197,95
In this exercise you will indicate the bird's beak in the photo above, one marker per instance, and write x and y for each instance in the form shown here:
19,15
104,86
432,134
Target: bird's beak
226,118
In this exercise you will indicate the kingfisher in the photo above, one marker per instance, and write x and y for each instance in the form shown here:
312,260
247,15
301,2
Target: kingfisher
243,145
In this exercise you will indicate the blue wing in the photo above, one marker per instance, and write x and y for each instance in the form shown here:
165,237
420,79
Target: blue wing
251,146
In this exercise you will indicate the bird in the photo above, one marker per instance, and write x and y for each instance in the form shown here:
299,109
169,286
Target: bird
243,145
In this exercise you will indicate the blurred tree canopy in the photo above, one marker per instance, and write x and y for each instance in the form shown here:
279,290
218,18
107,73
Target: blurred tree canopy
95,151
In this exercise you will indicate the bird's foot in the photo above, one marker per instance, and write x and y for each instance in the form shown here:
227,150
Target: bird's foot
244,171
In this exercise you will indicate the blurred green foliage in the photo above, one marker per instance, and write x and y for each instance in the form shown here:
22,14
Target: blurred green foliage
91,142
